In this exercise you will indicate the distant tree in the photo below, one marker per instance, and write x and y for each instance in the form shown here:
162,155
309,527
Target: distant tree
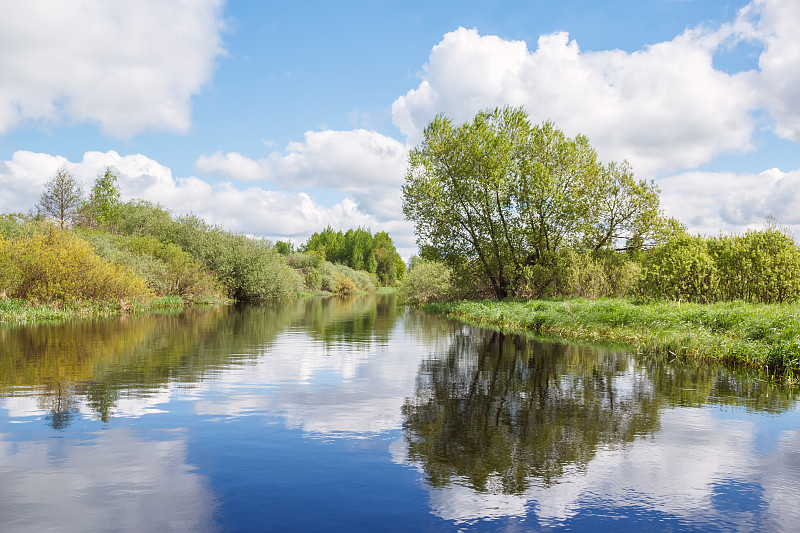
61,197
284,248
390,266
104,198
359,250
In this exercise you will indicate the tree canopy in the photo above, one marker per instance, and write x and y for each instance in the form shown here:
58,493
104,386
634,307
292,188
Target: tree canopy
503,199
359,250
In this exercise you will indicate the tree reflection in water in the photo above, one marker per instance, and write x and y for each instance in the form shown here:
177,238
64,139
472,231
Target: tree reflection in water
510,408
498,412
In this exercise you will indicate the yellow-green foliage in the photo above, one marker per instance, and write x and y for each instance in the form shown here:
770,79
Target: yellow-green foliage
759,266
57,266
362,280
324,275
681,269
428,281
183,276
249,268
343,285
585,274
8,268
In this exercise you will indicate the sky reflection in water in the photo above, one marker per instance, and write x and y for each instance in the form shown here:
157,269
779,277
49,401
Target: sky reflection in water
357,414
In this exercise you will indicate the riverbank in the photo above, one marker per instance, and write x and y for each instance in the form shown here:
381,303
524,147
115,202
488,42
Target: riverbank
18,311
760,337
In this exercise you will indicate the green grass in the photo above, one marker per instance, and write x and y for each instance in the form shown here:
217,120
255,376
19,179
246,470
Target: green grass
760,337
18,311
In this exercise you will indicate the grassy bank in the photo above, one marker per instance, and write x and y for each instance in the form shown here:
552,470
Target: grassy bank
17,311
760,337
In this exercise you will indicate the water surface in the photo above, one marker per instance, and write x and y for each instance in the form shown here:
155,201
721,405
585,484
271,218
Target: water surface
359,415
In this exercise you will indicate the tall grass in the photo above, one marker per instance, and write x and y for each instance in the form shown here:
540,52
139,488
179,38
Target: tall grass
760,337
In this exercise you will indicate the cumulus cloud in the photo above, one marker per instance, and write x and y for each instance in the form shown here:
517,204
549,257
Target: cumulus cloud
774,23
663,108
365,164
126,66
713,202
253,210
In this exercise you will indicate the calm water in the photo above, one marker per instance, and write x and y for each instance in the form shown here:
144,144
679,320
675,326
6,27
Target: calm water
357,415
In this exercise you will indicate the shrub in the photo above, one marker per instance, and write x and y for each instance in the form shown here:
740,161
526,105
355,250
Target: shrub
183,276
9,270
363,281
139,217
307,260
343,285
428,281
759,266
249,268
57,266
680,269
112,247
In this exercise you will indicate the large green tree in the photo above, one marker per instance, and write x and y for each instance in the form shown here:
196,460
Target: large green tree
503,199
61,197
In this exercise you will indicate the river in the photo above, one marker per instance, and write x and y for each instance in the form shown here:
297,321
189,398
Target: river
361,415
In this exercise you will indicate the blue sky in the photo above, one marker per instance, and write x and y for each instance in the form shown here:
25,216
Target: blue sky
280,118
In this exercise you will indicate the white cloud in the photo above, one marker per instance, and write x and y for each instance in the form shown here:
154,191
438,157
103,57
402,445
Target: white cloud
127,66
664,107
231,165
774,23
714,202
363,163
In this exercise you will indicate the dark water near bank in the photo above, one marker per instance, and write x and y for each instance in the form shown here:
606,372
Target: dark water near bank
357,415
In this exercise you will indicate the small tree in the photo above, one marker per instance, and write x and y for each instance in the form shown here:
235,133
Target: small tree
104,198
61,197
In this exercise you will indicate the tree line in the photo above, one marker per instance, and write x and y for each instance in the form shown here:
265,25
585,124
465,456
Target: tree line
360,250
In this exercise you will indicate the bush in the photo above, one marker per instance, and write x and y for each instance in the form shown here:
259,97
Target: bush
759,266
249,268
184,276
112,247
57,266
428,281
9,270
139,217
681,269
342,285
363,281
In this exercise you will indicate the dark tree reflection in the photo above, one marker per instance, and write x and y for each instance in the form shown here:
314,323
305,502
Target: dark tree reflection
509,408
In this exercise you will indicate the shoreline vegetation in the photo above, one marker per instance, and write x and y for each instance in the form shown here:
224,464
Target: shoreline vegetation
103,257
754,337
